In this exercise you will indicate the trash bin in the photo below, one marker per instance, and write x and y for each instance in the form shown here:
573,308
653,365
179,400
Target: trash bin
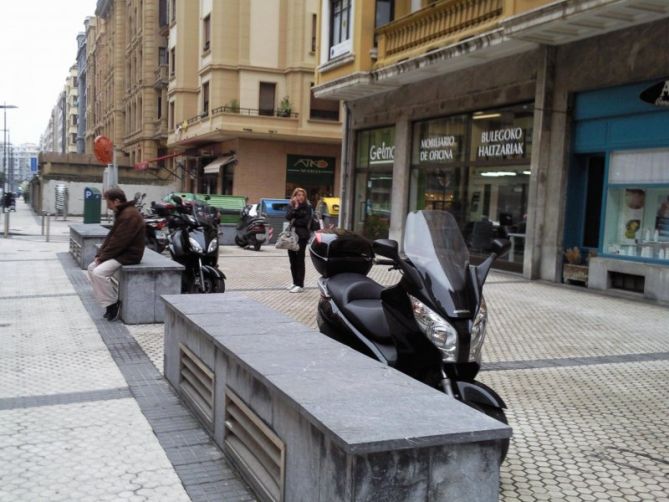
275,211
229,206
328,207
92,205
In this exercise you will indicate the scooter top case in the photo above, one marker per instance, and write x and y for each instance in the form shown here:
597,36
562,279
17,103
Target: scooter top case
334,251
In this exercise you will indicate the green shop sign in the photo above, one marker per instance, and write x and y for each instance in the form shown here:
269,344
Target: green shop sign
307,164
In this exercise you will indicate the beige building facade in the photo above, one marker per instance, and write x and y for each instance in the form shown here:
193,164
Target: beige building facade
126,84
241,115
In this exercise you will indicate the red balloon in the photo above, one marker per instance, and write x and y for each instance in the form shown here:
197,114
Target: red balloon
103,149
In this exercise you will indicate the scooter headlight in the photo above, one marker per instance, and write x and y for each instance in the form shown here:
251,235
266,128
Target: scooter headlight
195,245
478,332
213,246
437,329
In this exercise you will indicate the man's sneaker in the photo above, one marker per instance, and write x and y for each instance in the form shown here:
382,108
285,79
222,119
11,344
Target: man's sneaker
114,311
290,287
296,289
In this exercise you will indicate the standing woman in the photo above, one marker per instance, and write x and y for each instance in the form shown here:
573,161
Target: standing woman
299,212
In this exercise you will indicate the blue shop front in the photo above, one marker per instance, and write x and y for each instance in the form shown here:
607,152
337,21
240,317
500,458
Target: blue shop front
617,208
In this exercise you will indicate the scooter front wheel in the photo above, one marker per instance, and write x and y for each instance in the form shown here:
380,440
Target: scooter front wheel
499,415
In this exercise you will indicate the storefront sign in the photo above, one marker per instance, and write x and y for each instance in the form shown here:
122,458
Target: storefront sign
307,164
501,143
657,94
381,154
438,149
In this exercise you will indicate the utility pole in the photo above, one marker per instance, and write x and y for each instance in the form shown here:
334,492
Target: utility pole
4,106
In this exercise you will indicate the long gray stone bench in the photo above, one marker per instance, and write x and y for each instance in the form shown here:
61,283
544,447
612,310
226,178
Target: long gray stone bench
141,285
305,418
84,240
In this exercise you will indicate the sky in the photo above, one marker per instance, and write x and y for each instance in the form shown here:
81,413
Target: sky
38,45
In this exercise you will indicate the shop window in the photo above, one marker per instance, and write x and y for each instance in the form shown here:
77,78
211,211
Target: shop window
323,109
373,182
267,98
228,178
636,221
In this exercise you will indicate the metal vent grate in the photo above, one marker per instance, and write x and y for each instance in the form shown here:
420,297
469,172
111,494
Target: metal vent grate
255,448
197,383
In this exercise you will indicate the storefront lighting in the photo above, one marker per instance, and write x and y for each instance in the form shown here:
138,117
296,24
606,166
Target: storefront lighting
527,173
486,116
497,174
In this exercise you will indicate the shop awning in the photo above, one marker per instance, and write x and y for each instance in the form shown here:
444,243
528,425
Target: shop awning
215,166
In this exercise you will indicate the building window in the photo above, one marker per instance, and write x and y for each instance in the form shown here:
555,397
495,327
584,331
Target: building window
170,117
384,12
205,98
323,109
162,56
162,13
267,98
172,62
340,21
173,11
159,107
74,81
314,29
206,33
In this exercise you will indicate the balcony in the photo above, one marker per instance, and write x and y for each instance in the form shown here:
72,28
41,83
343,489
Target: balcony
451,35
160,77
435,26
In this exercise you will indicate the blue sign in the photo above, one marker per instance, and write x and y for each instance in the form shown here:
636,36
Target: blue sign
33,164
88,193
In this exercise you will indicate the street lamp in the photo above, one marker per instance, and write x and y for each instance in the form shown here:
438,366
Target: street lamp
4,106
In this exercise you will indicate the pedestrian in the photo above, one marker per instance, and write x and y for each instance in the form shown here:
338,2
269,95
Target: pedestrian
300,214
124,245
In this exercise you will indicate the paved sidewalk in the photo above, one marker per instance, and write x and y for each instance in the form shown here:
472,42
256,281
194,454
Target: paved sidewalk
585,377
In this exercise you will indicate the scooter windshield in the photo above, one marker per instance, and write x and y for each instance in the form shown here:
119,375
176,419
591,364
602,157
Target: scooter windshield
434,244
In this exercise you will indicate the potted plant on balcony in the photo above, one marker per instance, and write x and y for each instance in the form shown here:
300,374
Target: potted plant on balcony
284,108
575,271
233,106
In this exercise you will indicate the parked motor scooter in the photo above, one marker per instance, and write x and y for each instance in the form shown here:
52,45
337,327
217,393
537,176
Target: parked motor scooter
193,242
252,228
431,325
156,226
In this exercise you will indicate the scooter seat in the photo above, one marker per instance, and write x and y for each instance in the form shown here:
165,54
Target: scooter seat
359,299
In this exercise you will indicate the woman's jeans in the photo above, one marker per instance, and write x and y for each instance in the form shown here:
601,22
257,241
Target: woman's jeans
297,263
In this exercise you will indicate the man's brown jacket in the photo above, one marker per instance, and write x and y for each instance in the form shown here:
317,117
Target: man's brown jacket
125,240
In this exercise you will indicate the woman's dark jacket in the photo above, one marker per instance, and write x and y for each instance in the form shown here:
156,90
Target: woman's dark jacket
125,240
302,216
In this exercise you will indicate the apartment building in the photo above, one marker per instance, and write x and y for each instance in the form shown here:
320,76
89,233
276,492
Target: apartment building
241,115
71,115
125,98
538,120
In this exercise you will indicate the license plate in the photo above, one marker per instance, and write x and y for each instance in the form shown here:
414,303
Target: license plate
160,234
260,237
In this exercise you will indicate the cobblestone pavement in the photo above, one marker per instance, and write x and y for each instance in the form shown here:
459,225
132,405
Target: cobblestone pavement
585,377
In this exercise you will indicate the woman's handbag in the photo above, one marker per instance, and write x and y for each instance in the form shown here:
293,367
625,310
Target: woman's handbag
287,239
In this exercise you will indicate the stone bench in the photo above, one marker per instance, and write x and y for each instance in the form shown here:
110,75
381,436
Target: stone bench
303,417
140,287
84,241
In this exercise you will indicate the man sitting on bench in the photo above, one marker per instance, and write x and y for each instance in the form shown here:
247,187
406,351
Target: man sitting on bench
124,245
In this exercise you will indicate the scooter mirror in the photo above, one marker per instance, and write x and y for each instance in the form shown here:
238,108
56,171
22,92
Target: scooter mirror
177,199
500,246
387,248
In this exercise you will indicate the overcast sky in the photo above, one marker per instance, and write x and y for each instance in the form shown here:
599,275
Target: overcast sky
38,44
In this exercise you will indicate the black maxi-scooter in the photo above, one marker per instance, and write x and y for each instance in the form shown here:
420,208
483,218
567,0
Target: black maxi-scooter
252,228
431,325
193,242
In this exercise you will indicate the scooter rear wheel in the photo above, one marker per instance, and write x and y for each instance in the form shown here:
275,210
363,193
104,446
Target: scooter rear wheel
239,242
257,245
